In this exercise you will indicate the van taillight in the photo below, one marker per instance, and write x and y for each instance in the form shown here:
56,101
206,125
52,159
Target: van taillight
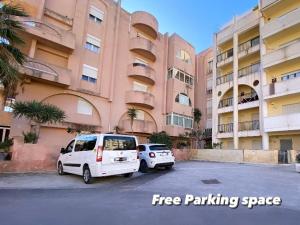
151,154
138,153
99,154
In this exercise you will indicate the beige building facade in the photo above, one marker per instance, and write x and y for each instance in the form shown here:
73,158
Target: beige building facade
255,79
95,60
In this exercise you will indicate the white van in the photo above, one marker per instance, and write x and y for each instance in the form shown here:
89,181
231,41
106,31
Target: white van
98,155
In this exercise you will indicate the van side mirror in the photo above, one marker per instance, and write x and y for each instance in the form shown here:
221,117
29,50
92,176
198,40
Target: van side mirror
62,150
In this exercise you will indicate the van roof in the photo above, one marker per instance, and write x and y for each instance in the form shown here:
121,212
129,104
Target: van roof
97,134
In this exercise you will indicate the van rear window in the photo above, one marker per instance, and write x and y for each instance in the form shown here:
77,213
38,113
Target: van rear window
158,147
121,143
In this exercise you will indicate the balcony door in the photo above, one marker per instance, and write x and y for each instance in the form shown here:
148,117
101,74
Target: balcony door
285,146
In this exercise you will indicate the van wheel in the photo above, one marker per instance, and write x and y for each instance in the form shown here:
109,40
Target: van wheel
144,167
87,177
127,175
60,169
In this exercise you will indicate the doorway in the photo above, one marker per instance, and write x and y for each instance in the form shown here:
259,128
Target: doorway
285,146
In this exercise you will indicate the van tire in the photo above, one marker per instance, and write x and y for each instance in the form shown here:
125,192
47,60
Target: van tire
127,175
86,175
60,169
144,167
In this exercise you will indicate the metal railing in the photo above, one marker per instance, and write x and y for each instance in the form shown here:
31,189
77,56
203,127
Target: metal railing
249,44
249,125
42,26
226,102
254,68
55,14
225,55
39,67
224,79
247,97
225,128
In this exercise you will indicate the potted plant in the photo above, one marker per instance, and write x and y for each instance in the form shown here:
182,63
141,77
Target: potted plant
298,163
4,149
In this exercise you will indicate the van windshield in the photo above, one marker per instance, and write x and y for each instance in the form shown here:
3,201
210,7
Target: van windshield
158,147
115,143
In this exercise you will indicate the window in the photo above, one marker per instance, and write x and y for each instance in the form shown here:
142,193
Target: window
209,83
86,143
70,146
289,76
183,99
89,74
4,133
114,143
96,14
140,115
291,108
180,75
140,62
179,120
184,56
158,147
92,43
8,104
85,108
210,66
139,87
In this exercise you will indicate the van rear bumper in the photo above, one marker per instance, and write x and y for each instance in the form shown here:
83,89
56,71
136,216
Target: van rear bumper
103,170
164,164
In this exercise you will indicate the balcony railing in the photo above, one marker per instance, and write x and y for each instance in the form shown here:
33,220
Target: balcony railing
247,97
225,55
249,44
42,26
224,79
226,102
249,125
255,68
39,67
225,128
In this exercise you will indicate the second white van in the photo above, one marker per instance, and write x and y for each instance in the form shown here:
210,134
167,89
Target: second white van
98,155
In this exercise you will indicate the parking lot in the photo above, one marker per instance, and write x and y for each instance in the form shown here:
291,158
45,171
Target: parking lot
51,199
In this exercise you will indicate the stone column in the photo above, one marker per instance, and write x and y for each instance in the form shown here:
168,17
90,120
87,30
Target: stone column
235,92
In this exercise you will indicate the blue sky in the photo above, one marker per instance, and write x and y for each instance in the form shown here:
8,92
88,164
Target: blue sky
194,20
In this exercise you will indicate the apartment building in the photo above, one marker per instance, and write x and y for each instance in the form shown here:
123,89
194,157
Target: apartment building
255,78
95,60
203,93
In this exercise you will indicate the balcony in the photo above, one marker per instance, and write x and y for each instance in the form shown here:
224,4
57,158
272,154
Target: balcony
139,126
249,47
224,79
247,101
50,33
286,86
140,98
286,122
287,52
225,58
225,130
281,23
143,47
145,22
249,129
267,3
175,131
142,72
249,70
46,72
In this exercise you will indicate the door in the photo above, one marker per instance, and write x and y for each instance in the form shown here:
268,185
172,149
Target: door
66,158
285,146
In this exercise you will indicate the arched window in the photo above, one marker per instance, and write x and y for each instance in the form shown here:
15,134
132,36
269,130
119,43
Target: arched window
183,99
184,56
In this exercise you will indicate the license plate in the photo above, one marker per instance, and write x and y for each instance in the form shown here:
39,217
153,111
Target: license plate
120,159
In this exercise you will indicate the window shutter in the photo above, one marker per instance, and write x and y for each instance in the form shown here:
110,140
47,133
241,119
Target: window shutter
90,71
93,40
96,12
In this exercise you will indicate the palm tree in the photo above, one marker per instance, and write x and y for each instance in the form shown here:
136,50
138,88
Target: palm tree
132,114
39,113
10,56
197,116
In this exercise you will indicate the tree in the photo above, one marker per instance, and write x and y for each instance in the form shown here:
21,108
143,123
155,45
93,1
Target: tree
39,113
132,114
197,116
161,138
10,56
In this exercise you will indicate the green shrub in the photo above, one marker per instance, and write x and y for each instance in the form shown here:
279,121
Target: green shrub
4,146
30,137
161,138
298,158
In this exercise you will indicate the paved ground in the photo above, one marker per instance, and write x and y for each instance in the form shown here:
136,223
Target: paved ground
49,199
